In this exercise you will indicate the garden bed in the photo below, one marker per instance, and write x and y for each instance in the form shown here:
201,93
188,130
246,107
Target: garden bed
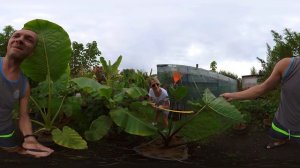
229,149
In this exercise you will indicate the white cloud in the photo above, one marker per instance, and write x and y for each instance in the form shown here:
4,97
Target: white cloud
194,50
149,32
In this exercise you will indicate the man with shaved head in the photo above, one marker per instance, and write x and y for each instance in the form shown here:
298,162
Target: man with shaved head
14,88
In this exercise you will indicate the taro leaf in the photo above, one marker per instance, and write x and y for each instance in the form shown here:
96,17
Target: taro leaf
40,91
68,138
93,86
221,106
98,128
60,86
54,105
72,105
131,123
52,54
136,92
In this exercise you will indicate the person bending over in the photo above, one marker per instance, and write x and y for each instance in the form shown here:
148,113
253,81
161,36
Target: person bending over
159,97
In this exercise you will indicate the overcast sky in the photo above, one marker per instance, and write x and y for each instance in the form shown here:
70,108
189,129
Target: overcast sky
150,32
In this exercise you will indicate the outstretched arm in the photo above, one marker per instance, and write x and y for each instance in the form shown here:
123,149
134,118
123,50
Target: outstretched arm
258,90
30,144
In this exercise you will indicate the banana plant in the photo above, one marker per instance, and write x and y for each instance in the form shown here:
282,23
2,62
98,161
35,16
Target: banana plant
124,103
214,116
47,64
135,117
110,70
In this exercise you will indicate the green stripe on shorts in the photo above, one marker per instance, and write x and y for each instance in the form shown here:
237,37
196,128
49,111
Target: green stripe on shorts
7,135
275,128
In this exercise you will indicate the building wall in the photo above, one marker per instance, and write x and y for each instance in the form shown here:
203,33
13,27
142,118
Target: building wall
249,81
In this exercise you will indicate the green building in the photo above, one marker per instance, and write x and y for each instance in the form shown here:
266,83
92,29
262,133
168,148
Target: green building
196,80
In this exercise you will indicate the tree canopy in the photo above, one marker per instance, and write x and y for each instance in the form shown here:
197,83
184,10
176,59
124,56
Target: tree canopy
253,71
83,57
228,74
4,37
213,66
286,45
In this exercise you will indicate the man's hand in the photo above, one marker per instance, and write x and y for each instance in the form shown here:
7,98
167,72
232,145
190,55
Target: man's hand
32,147
227,96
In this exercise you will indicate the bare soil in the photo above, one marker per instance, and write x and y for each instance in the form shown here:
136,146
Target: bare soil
230,149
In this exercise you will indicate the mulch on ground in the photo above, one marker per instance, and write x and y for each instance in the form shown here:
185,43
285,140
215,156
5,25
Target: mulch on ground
229,149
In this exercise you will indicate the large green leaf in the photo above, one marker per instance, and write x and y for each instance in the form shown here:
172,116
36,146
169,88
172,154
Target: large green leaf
60,86
54,105
208,96
116,65
93,86
221,106
68,138
178,93
52,54
131,123
142,110
217,118
72,105
83,82
204,125
98,128
104,64
136,92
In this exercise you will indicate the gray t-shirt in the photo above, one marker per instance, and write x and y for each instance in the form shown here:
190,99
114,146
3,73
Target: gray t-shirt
10,94
288,113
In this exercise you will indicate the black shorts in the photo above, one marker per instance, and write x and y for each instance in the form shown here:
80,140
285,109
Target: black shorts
8,139
279,132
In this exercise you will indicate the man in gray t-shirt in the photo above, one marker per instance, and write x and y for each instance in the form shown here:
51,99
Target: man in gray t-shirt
14,88
286,123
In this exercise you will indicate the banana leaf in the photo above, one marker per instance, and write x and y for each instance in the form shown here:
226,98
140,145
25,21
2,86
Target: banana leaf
204,125
93,87
131,122
220,116
221,106
136,92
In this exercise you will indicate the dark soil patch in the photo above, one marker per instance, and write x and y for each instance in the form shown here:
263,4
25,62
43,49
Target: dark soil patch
227,150
157,150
